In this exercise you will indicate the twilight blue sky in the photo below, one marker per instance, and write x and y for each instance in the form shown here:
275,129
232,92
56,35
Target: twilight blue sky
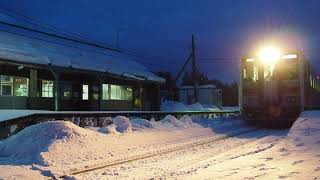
161,30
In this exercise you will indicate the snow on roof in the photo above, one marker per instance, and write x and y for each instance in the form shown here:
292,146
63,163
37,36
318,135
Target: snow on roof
208,86
32,50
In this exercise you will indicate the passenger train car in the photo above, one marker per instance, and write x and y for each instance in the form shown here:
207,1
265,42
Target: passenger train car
276,87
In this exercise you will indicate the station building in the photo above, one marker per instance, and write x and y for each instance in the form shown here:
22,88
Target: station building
207,94
52,74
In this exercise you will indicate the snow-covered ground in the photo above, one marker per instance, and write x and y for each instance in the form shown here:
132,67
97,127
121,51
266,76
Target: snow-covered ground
61,148
178,106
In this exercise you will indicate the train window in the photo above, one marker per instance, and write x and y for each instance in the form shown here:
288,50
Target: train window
244,73
251,73
268,72
291,75
255,74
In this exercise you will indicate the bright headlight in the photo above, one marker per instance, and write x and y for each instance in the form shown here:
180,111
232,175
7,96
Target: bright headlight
269,55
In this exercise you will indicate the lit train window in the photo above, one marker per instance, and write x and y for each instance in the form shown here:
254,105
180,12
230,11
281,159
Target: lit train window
268,72
255,74
251,73
244,73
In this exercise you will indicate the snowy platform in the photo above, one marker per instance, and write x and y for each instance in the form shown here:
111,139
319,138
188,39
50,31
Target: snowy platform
8,115
59,148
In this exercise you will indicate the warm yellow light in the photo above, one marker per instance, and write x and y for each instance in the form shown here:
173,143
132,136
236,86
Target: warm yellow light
269,55
289,56
249,60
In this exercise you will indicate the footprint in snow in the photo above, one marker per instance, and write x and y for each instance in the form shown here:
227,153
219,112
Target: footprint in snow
303,121
283,177
259,165
294,172
317,169
265,169
300,145
297,162
283,150
269,158
297,139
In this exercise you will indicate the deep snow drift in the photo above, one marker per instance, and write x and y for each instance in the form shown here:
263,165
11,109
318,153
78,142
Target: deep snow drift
59,146
56,148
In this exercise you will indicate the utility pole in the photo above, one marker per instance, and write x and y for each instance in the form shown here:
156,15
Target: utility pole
194,70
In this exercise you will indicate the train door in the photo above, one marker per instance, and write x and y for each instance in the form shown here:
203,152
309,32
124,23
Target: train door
271,85
250,84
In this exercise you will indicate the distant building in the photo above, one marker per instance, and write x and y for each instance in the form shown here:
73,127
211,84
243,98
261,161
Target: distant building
208,94
55,74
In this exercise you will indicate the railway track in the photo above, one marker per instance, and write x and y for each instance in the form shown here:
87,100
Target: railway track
164,152
205,159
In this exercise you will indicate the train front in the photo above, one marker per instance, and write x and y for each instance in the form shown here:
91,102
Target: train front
272,86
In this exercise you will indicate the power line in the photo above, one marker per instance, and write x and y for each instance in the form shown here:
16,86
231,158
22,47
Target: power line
87,43
56,36
76,47
53,42
229,60
78,41
31,20
45,25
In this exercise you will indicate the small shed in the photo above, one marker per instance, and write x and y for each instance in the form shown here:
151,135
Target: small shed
208,94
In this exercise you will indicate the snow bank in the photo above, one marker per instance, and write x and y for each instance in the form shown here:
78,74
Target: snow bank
172,120
178,106
122,124
173,106
30,142
141,123
305,132
110,129
195,107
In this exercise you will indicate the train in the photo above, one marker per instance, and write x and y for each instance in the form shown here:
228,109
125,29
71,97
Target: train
275,86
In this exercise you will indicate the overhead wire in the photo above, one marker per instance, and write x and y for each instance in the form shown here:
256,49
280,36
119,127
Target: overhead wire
42,25
142,59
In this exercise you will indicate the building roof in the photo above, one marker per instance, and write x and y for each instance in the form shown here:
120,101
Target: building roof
208,86
28,49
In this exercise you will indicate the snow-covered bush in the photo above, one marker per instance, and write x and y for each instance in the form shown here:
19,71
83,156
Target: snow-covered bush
122,124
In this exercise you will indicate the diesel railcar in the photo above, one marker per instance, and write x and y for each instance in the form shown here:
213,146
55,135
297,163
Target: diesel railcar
275,87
